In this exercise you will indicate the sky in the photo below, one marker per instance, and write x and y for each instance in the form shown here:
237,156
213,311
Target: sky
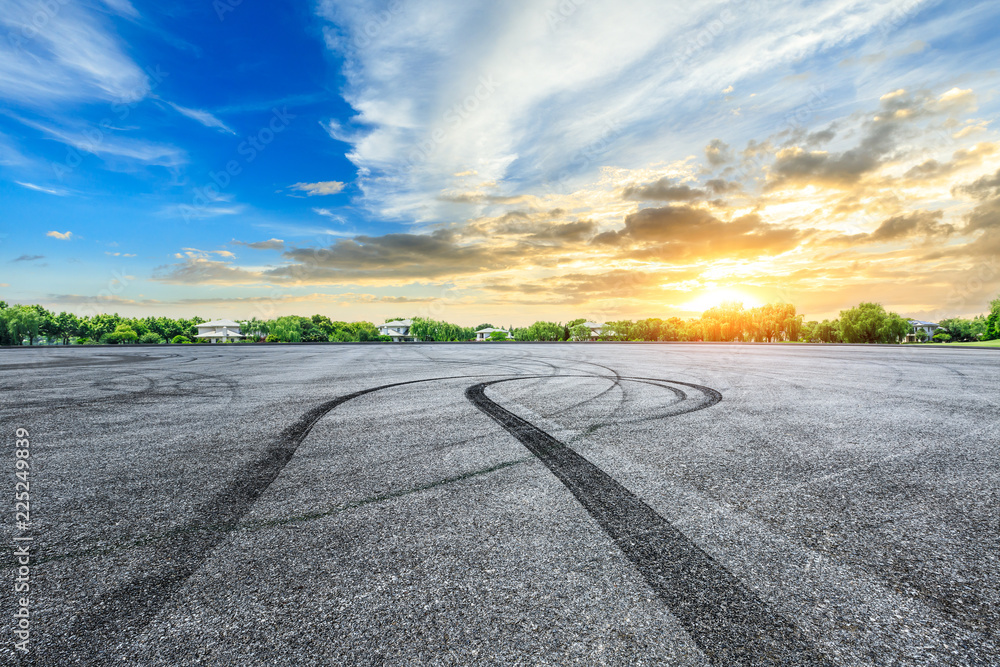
498,162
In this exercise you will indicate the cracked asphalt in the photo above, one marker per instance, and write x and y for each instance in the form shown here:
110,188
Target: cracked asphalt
617,504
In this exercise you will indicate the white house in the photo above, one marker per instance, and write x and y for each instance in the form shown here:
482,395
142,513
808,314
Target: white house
399,330
595,329
216,330
487,333
917,326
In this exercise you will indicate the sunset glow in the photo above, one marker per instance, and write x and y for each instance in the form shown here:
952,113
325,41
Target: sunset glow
564,160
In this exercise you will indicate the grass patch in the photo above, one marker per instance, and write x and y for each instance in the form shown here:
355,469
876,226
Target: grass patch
982,343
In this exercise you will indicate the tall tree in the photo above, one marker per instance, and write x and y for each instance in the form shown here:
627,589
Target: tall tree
22,322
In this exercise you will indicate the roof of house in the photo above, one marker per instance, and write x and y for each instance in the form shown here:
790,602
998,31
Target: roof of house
490,330
220,334
920,323
592,325
397,323
219,323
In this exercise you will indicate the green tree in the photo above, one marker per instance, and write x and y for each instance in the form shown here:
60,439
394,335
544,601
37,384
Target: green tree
427,329
498,336
254,329
580,332
993,321
544,331
287,329
365,331
961,329
68,326
151,337
122,335
618,330
22,322
870,323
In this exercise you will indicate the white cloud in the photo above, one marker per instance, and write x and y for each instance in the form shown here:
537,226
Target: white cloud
321,188
108,146
62,236
327,213
337,131
38,188
439,93
203,117
60,51
188,212
123,7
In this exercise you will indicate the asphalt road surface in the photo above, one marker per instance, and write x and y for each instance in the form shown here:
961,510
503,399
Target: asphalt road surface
618,504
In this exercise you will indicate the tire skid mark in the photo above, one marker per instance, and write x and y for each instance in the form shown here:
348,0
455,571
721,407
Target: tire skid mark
128,609
727,620
717,610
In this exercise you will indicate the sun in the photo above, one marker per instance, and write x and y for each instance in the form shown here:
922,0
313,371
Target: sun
710,298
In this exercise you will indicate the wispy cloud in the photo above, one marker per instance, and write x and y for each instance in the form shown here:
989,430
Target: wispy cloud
123,7
59,192
321,188
203,117
270,244
28,258
64,51
62,236
589,88
205,212
108,146
327,213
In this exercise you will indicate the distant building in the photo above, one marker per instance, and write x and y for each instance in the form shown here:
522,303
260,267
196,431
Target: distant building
398,330
487,334
216,330
917,325
595,329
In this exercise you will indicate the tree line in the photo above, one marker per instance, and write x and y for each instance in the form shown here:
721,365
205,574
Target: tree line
729,322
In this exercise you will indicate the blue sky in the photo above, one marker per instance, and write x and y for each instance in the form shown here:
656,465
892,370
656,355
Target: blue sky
511,161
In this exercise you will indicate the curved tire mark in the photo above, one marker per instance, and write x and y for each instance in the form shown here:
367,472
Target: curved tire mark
727,620
642,534
125,611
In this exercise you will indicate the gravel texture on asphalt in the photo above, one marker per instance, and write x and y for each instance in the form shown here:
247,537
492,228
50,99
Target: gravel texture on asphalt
493,503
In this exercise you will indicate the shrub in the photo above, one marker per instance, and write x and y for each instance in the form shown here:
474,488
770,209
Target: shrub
177,340
151,338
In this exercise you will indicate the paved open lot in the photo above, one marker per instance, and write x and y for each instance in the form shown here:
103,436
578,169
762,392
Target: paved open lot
518,503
